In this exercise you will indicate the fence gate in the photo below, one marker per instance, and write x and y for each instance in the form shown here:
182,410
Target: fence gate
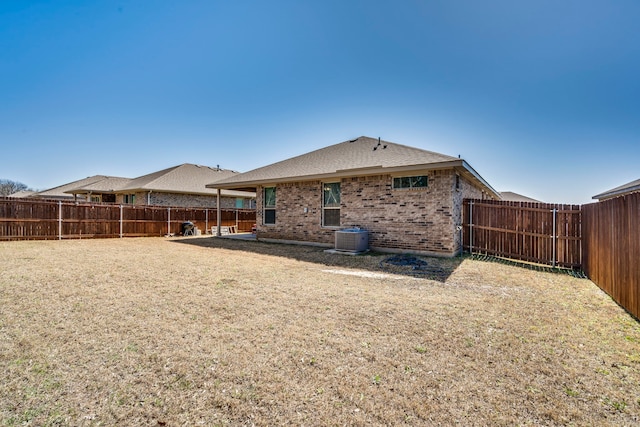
534,232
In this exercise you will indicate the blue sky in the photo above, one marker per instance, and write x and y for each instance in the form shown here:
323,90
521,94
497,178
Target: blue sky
541,98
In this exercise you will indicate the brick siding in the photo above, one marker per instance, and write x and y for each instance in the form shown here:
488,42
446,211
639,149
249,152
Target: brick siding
184,200
404,220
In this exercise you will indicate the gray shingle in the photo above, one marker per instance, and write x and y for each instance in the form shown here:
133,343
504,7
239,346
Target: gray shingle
361,153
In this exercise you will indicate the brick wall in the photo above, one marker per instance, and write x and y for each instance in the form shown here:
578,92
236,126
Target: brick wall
404,220
292,222
183,200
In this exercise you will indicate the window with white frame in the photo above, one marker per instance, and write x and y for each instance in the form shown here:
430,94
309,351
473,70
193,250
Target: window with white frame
331,204
269,205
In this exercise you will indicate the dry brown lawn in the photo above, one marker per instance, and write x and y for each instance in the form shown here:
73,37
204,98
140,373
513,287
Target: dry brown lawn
208,331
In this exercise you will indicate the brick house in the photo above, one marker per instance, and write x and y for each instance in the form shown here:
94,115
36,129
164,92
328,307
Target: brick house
408,199
183,185
179,186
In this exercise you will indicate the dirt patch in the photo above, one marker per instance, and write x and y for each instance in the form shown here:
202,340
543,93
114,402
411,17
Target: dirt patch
206,331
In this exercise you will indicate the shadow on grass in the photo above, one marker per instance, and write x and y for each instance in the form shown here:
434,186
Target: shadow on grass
430,268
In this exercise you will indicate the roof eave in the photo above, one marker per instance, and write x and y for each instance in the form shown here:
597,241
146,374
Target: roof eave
480,179
620,192
367,171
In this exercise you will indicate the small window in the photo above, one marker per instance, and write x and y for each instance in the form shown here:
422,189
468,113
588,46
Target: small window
331,204
239,203
410,182
129,199
269,210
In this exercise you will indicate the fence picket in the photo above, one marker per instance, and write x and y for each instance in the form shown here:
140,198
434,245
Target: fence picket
523,231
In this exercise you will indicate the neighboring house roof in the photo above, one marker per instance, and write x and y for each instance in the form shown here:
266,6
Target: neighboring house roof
62,191
510,196
630,187
358,157
184,179
22,194
109,184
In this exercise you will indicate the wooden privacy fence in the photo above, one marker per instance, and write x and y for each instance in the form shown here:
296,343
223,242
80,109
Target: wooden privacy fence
45,220
611,243
534,232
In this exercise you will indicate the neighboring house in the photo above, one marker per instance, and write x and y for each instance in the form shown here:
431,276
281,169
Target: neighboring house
631,187
510,196
182,185
408,199
22,194
61,192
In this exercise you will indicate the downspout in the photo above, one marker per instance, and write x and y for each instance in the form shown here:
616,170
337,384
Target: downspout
149,197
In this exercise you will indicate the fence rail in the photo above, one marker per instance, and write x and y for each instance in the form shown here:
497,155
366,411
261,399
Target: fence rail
47,220
611,240
535,232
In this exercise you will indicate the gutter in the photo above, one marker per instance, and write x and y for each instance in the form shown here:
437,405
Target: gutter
612,194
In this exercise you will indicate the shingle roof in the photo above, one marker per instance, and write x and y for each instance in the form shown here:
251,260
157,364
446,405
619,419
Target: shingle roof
186,178
107,185
62,191
358,156
627,188
22,194
510,196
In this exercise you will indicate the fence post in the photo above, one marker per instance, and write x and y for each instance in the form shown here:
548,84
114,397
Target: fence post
219,215
168,221
206,221
121,221
236,218
59,219
471,226
554,237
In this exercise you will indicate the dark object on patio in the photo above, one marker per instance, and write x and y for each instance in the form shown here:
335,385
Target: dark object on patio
188,228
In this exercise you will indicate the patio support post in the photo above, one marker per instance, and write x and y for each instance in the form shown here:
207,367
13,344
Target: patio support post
206,220
168,221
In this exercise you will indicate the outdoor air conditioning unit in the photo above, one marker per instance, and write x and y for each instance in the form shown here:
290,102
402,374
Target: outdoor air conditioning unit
352,240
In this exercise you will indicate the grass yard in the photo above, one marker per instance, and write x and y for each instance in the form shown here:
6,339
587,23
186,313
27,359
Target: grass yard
208,331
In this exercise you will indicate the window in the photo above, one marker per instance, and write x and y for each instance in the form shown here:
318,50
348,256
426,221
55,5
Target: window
239,203
331,204
129,199
269,201
410,182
